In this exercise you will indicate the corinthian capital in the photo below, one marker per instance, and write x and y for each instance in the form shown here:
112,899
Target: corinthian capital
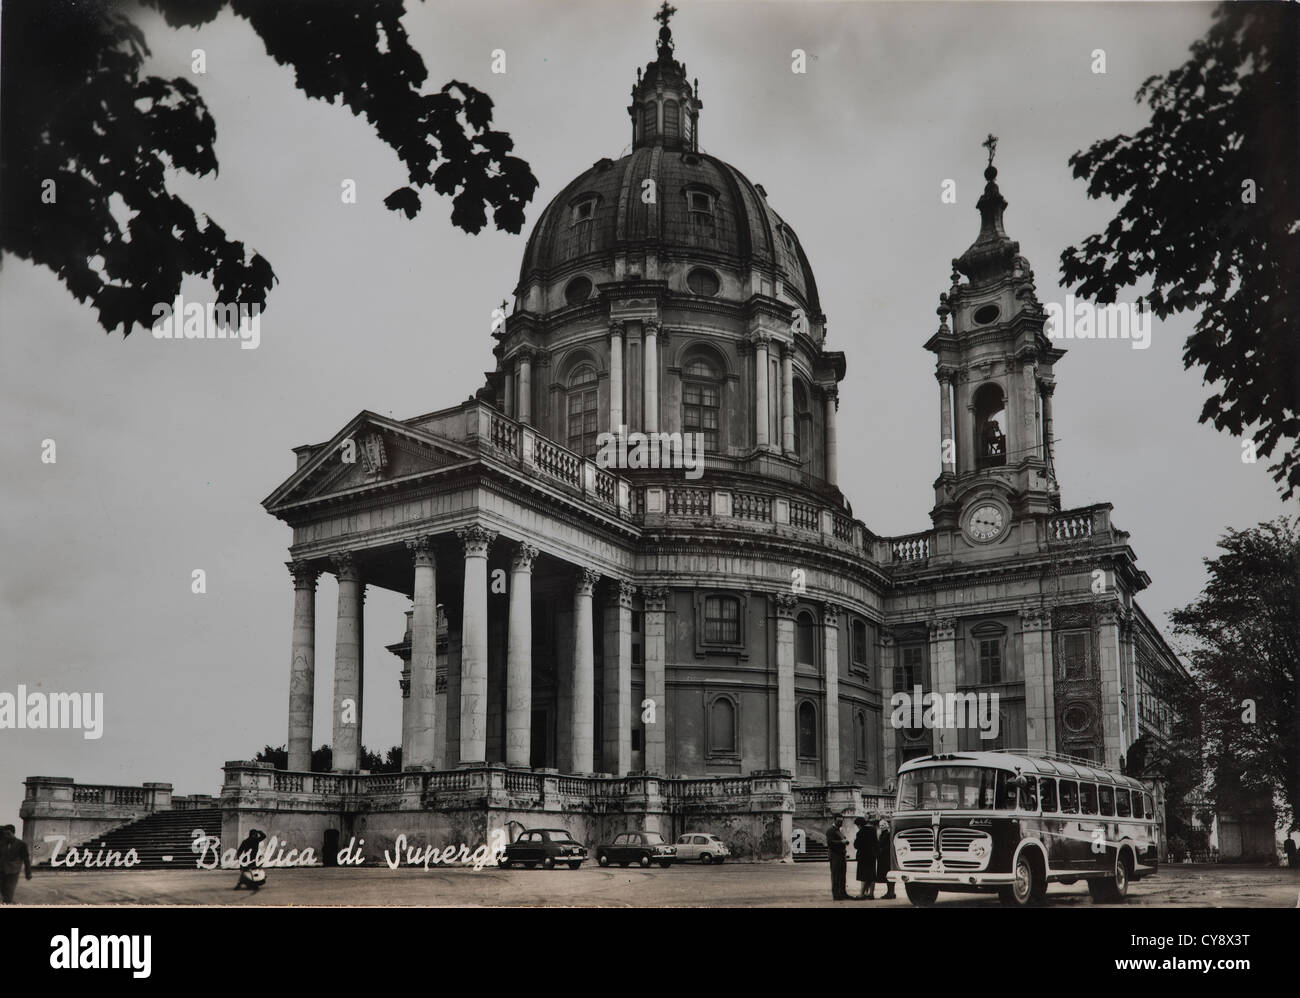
345,567
586,582
525,555
422,548
616,327
656,597
621,593
304,574
785,604
475,540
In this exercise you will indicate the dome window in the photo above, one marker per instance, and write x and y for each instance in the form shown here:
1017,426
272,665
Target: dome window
699,202
577,291
703,282
985,315
584,210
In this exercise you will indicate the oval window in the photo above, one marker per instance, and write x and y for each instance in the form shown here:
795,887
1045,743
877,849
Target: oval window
703,282
577,291
1077,718
986,314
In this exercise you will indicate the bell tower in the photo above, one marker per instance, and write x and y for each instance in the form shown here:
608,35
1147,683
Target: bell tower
665,108
994,368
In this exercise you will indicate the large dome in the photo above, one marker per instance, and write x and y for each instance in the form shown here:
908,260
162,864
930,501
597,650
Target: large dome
607,210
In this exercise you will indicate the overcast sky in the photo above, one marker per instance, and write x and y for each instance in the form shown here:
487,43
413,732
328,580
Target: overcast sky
165,449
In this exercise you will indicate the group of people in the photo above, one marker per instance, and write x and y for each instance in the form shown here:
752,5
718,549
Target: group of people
871,843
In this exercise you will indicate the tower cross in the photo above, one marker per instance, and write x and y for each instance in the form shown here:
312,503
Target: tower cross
665,12
991,144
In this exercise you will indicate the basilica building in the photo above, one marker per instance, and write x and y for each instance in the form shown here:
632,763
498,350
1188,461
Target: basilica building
593,634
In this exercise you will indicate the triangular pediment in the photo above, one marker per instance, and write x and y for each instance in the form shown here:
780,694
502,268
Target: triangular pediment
368,451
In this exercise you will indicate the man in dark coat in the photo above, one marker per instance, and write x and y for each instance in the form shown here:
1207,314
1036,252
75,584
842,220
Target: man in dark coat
837,845
14,859
882,865
864,844
247,854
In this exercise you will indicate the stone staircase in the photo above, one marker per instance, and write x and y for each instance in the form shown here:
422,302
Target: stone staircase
163,833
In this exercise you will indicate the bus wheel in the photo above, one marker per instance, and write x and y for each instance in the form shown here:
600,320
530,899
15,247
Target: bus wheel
921,895
1025,889
1111,890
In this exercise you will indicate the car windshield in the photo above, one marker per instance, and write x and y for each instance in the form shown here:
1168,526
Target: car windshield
961,788
559,836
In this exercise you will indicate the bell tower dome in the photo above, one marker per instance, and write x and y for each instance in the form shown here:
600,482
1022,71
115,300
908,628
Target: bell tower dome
995,374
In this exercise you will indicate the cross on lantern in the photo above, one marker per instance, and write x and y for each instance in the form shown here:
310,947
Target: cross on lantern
665,12
991,144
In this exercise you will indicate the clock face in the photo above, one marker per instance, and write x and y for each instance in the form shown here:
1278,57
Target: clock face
986,522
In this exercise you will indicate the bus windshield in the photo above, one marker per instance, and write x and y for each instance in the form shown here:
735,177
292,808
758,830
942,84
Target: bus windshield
961,788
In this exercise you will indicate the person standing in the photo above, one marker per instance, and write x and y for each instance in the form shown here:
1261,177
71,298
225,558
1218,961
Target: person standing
248,864
837,847
883,858
14,859
864,844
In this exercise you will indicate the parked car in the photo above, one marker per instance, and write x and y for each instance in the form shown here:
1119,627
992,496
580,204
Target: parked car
703,846
547,846
642,848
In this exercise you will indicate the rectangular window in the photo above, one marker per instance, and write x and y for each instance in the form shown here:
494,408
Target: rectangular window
1029,795
1047,791
1122,807
1074,655
859,642
990,661
636,739
636,621
636,654
908,673
1147,806
1107,797
1069,797
1087,798
722,620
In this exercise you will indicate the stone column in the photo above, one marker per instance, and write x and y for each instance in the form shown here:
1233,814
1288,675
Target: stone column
1040,696
1027,391
787,398
420,735
947,444
583,732
617,649
510,391
302,665
519,659
831,663
655,627
348,666
474,642
615,376
888,733
761,417
943,670
524,358
651,376
832,447
786,757
1112,714
1047,387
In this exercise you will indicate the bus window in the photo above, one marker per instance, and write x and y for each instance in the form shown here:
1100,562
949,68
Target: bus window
1029,795
1107,795
1122,803
1146,801
1047,792
949,788
1069,797
1006,792
1087,798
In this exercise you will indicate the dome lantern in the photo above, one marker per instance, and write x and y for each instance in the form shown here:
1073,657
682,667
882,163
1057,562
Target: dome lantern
665,109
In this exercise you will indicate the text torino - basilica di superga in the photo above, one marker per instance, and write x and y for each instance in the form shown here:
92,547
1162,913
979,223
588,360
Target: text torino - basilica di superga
615,647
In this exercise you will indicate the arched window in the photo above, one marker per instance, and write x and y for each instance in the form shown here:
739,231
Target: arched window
650,121
803,421
701,401
722,726
807,730
582,407
990,427
672,119
859,642
805,631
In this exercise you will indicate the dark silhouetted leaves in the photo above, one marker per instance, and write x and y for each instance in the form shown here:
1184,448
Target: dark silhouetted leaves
74,109
1228,115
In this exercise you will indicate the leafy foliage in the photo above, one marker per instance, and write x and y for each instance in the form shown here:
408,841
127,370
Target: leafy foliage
1226,117
75,110
1246,632
322,759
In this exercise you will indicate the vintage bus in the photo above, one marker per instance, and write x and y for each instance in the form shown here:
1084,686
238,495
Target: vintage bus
1011,823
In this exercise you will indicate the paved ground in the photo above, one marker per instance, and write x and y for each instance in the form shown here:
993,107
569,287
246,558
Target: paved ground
748,885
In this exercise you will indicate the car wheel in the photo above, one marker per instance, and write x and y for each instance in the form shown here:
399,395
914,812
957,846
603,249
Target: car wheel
1024,890
574,865
602,859
922,895
644,861
548,863
706,858
1113,889
504,863
665,863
